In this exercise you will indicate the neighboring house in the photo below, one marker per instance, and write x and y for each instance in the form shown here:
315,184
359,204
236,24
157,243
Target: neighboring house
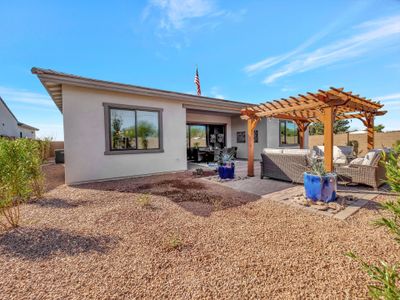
114,130
11,127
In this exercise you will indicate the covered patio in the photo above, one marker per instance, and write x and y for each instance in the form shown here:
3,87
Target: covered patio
323,106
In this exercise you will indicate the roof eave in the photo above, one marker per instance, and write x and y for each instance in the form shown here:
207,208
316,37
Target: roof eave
53,83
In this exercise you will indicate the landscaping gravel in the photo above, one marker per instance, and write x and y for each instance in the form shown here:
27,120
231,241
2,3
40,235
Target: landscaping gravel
180,237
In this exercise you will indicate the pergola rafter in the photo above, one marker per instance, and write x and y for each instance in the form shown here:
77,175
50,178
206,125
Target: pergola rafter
324,106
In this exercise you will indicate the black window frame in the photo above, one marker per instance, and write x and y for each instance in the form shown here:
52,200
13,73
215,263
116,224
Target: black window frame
107,126
285,137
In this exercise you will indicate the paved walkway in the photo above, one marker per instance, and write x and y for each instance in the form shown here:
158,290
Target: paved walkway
285,192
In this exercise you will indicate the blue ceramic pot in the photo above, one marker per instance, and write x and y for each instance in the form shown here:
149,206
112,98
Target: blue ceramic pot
226,172
320,188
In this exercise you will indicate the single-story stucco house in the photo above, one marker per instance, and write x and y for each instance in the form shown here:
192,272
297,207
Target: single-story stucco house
114,130
11,127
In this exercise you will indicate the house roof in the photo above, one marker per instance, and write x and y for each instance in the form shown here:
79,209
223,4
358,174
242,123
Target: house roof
15,118
26,126
54,80
8,109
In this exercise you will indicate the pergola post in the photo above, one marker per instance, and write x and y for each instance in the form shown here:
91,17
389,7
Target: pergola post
328,117
370,132
302,127
251,126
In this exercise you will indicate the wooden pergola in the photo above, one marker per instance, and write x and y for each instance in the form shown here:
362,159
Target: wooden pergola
322,106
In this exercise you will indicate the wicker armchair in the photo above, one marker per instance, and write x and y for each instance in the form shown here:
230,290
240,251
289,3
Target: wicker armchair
372,175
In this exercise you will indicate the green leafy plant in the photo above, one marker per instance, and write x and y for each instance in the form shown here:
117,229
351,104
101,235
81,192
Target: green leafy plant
379,128
385,277
44,148
20,177
317,167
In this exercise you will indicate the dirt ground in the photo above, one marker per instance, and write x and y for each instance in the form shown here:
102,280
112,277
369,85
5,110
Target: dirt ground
179,237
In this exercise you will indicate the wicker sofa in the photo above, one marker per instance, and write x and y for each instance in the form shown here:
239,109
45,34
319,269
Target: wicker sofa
285,164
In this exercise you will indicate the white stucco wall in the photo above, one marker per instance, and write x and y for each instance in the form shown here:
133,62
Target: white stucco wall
204,118
26,133
8,124
84,137
268,136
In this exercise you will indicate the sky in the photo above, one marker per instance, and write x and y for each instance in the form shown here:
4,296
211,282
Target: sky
252,51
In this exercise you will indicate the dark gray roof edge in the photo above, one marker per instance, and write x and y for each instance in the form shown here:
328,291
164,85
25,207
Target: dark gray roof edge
42,72
27,126
9,110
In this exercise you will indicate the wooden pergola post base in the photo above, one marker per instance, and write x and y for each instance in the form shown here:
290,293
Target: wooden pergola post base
251,126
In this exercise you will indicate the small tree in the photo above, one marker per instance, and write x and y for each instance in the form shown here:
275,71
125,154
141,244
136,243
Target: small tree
146,130
386,277
339,126
20,176
379,128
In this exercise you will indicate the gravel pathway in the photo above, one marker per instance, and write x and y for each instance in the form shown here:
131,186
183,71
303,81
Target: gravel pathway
104,241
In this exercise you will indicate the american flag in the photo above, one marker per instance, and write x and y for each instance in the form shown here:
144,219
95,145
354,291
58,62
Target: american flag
197,82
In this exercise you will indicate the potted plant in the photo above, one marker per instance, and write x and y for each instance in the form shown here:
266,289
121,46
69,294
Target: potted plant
226,164
318,184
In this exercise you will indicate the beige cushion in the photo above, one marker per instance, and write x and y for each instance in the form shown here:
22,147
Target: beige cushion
340,160
357,161
296,151
272,150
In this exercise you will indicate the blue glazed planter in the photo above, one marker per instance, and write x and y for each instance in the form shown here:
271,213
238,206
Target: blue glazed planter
226,172
320,188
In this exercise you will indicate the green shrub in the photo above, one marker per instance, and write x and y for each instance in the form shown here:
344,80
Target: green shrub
20,176
44,148
385,277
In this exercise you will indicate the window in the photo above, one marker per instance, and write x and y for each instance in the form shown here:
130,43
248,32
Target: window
132,129
198,135
289,134
205,135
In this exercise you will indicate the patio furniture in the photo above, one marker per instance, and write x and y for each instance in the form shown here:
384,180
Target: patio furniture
367,170
285,164
342,155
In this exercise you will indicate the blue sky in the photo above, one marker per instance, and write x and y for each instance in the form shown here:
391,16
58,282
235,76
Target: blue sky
246,50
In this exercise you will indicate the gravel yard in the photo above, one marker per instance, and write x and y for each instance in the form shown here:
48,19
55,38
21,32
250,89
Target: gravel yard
179,237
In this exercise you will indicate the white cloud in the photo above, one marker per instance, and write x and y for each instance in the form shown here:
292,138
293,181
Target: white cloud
367,37
389,97
377,34
24,96
174,13
185,17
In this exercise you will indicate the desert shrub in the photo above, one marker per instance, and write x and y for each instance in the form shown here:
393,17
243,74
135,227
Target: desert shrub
144,200
385,277
20,176
44,148
173,242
